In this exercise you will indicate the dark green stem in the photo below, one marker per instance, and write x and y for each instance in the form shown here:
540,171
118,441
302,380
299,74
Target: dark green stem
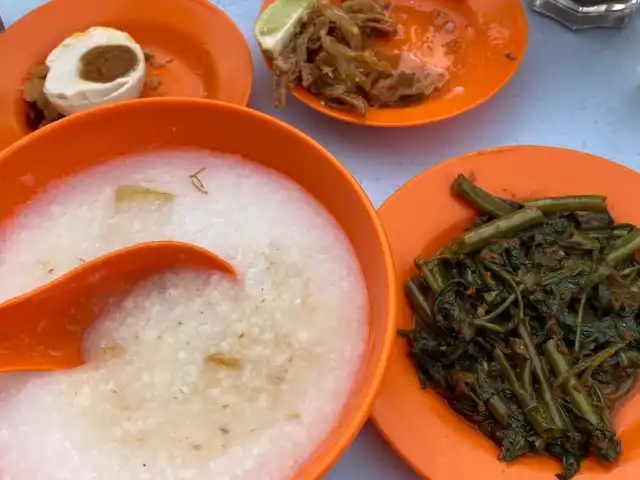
504,227
628,246
418,301
579,203
433,273
631,271
576,348
543,381
597,360
485,322
593,360
533,410
626,386
516,289
579,399
622,250
602,403
503,306
499,409
506,328
486,276
525,377
479,198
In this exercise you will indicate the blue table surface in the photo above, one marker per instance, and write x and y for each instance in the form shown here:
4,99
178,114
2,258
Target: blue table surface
574,90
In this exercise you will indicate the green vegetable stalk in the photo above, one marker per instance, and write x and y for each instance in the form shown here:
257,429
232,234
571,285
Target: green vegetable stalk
499,228
579,203
479,198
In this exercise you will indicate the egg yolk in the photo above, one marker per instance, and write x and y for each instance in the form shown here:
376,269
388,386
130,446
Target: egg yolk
106,63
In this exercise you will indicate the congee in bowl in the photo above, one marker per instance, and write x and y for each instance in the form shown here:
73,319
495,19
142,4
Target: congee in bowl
195,375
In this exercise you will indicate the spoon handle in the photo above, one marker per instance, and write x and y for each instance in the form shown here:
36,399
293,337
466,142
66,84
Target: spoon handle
42,333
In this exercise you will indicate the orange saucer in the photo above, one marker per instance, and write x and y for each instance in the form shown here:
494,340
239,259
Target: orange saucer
422,217
482,54
208,55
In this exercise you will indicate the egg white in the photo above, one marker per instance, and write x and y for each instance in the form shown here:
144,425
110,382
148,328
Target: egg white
71,94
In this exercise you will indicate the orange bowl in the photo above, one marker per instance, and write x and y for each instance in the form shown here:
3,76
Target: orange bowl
437,443
483,55
208,56
80,142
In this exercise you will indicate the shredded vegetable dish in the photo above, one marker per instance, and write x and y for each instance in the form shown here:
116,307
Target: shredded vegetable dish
333,55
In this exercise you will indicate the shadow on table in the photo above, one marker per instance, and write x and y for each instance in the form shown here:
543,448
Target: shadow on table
370,458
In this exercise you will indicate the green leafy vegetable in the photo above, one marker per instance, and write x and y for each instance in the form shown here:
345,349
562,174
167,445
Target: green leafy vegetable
528,324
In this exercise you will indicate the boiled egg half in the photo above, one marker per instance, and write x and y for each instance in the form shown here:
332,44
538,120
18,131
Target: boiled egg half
93,68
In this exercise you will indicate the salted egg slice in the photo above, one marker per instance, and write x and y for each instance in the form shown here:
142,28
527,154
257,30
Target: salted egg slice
88,69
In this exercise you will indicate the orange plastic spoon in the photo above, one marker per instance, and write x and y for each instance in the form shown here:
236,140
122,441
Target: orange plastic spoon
43,329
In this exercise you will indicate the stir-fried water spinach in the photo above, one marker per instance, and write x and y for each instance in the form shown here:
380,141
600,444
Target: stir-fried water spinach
528,324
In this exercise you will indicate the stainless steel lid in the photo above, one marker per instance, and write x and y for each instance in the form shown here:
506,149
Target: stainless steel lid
578,14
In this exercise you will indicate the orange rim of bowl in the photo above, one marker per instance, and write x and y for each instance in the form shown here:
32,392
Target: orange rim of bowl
206,54
493,39
325,454
418,425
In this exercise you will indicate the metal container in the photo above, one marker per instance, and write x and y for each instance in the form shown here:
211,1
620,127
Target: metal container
579,14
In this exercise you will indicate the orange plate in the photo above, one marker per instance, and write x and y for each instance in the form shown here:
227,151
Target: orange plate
422,217
210,57
491,37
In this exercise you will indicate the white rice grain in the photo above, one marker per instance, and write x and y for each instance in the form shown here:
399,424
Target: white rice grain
147,405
